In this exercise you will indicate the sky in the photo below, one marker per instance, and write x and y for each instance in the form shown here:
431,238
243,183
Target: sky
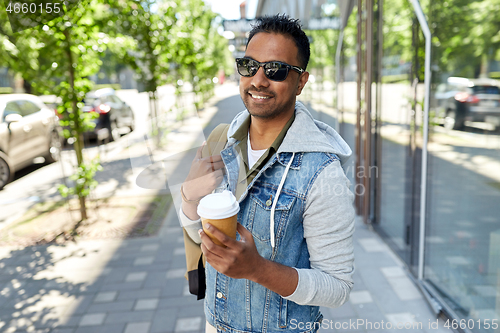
228,9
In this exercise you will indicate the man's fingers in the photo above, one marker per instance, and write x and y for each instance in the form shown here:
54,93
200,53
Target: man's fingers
223,238
208,253
244,233
217,165
208,246
199,150
215,158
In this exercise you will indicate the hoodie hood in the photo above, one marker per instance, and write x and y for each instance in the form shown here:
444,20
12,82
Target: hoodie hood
304,135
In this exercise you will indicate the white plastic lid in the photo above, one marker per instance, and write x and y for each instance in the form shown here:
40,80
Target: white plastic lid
218,206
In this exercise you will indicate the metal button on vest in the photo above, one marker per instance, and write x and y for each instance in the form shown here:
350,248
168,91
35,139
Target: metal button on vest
269,203
219,295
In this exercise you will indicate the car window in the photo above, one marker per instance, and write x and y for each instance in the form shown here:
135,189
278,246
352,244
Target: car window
441,88
89,101
104,99
490,90
28,107
115,99
11,108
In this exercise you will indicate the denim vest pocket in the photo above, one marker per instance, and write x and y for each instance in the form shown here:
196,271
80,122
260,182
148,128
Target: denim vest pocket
283,315
263,198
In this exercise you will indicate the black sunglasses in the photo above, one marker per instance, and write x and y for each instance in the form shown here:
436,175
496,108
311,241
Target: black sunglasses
274,70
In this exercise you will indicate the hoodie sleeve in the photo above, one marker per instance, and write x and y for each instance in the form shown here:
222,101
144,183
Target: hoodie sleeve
328,229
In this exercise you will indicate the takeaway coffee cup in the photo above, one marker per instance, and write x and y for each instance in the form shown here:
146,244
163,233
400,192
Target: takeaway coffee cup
220,210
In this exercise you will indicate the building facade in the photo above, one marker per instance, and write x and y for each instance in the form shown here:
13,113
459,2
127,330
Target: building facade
431,189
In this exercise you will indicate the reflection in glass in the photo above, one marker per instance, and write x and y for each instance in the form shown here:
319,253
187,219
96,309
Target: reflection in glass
463,222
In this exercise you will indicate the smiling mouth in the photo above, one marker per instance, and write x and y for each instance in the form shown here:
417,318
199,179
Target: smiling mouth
257,96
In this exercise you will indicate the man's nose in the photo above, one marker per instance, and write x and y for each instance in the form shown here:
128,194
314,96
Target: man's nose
260,79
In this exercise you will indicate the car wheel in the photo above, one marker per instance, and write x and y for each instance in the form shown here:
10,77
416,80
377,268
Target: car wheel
54,148
114,131
452,122
5,172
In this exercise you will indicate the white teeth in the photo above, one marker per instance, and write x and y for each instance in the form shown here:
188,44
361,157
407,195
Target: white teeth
259,97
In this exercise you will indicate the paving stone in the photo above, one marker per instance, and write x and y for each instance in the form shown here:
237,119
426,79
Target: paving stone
62,330
155,280
137,276
129,317
175,288
117,275
81,302
345,311
178,262
141,327
188,324
405,288
372,244
186,292
114,328
149,247
176,273
136,294
122,286
164,320
393,272
179,251
111,306
93,319
146,304
368,312
143,261
105,296
359,297
192,311
179,302
400,318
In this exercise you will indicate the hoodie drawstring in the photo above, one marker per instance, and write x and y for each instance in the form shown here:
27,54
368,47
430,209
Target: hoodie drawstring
273,207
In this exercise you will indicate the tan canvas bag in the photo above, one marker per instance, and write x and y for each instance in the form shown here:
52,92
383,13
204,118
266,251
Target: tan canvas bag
195,261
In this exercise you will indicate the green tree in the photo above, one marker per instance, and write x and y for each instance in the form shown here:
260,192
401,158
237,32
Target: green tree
199,52
143,29
466,35
57,57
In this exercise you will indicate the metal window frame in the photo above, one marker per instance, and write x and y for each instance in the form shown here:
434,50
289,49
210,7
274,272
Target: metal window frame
427,83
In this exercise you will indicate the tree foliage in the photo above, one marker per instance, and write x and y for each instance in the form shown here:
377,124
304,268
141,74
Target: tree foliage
164,42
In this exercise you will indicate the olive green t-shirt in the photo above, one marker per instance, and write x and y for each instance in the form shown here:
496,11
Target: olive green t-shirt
247,175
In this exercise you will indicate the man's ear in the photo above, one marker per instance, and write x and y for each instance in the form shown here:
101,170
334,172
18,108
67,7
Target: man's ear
304,77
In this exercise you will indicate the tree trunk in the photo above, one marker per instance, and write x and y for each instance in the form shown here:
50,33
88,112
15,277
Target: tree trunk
78,145
483,73
27,86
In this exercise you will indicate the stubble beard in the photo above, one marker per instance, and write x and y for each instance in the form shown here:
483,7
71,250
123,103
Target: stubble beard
269,114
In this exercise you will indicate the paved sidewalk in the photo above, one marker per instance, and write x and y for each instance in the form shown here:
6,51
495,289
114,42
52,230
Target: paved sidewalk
137,286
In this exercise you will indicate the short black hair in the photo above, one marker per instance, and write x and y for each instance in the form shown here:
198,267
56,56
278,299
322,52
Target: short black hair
282,24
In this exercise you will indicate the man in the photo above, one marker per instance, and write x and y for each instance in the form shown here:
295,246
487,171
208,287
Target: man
294,250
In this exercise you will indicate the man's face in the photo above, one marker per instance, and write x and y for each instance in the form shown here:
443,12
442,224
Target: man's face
263,97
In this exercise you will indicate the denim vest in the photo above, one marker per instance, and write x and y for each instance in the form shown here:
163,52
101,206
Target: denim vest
240,305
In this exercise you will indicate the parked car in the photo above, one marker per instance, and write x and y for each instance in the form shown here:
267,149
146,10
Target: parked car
114,114
28,129
461,99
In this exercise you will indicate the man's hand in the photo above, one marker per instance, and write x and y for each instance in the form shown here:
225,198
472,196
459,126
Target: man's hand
204,176
239,259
